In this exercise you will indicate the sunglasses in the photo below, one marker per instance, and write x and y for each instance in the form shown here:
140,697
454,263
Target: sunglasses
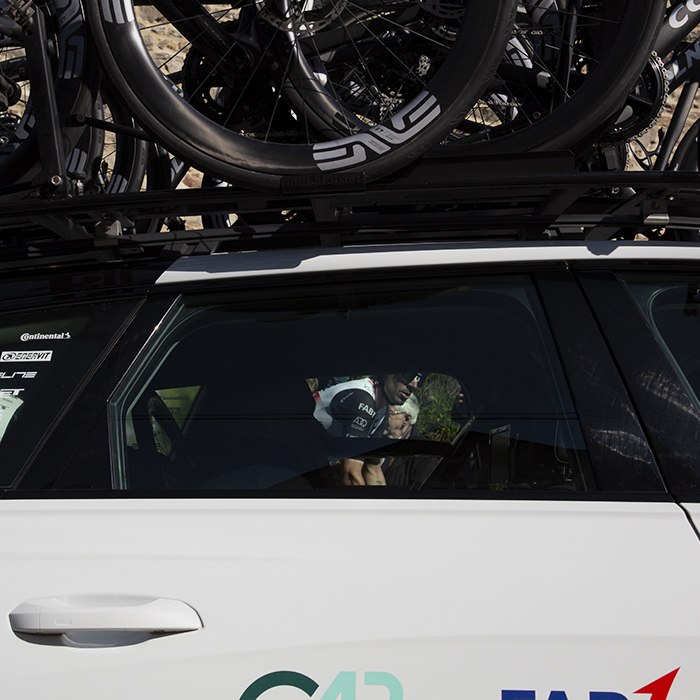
409,377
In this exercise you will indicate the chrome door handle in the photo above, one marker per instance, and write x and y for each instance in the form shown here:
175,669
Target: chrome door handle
103,613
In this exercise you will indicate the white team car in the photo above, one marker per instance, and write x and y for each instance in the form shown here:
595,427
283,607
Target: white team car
177,522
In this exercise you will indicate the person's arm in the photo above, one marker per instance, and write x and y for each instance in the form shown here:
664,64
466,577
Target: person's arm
355,409
351,472
362,472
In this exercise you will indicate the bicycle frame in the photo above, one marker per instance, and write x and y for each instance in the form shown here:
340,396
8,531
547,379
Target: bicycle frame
680,21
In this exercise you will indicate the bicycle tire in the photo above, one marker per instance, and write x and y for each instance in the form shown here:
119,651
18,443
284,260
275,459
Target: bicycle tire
123,163
83,163
219,220
585,114
379,150
162,173
75,83
686,159
686,156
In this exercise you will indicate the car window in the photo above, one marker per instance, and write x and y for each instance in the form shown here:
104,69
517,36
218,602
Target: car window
44,357
427,386
670,305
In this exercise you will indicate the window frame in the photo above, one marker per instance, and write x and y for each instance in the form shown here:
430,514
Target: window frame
549,280
595,381
83,419
670,419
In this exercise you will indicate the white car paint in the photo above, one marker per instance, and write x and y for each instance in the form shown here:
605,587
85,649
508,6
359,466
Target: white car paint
456,599
251,264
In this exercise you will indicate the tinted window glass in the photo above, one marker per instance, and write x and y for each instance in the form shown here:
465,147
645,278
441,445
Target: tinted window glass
670,305
44,356
456,387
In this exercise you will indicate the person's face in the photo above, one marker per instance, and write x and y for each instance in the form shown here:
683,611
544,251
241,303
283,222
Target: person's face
397,423
397,389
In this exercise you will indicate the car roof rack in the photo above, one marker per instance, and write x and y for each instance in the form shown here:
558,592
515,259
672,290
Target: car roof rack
529,197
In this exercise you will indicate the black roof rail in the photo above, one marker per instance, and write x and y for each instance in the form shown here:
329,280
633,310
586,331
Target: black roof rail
503,198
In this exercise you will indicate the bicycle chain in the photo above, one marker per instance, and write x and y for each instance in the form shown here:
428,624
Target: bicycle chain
651,86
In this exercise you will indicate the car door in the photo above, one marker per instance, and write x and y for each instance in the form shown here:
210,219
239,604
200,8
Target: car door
651,318
184,530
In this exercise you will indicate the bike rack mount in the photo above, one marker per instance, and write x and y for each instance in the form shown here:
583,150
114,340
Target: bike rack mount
533,197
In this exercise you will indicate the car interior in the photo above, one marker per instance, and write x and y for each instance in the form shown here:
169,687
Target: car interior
249,422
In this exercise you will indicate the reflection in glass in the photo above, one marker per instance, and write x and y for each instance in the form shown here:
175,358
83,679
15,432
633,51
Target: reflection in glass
452,385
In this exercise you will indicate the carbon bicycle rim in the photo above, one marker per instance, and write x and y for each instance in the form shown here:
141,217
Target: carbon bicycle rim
686,155
566,73
75,81
123,161
189,105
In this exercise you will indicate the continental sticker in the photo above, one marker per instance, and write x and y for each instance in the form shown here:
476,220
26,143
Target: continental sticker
44,336
26,356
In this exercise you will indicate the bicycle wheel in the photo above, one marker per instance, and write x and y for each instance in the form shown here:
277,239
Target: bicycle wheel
686,155
75,80
687,159
565,74
227,107
121,163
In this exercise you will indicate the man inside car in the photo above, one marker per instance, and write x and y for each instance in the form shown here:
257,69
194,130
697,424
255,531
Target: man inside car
358,409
